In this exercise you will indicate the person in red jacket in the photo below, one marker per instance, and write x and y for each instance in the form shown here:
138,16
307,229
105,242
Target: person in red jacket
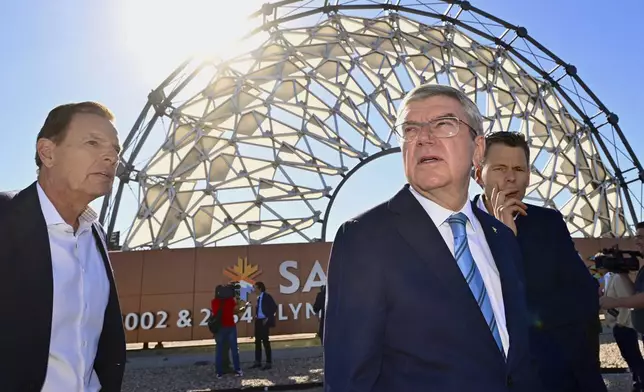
227,331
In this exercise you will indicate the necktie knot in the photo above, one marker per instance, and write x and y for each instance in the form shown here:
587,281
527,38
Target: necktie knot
457,223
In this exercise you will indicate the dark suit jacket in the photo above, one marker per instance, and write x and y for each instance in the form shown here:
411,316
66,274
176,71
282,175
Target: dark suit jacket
269,308
401,317
560,291
26,292
318,307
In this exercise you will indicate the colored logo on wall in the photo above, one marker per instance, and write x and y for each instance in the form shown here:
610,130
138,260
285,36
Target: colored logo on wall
245,274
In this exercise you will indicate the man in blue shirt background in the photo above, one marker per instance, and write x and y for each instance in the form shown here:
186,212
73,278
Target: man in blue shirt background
264,321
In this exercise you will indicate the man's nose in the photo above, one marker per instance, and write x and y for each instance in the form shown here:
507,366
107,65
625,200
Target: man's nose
510,176
111,156
425,136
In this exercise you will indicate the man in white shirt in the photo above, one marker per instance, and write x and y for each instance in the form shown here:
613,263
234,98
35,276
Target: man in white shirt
423,291
62,328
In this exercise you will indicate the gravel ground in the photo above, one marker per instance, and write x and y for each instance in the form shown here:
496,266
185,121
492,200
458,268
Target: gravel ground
201,378
198,378
612,381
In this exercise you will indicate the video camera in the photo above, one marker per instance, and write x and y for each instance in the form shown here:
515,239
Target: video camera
617,261
230,290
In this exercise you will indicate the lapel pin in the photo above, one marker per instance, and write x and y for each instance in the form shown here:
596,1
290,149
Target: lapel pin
494,229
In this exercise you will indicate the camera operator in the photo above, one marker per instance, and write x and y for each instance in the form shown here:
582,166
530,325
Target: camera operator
223,310
635,301
619,285
241,307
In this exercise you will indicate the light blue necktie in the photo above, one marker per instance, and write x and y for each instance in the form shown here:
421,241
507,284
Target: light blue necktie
471,273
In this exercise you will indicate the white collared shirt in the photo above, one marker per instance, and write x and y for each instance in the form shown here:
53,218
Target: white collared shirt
260,314
480,252
81,291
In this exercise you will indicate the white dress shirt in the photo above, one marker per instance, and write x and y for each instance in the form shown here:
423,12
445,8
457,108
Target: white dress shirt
618,286
480,252
260,314
81,291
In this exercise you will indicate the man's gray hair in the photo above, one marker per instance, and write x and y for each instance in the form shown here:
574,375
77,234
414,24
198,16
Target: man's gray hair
424,91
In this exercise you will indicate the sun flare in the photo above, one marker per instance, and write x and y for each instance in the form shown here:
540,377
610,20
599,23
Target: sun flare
160,34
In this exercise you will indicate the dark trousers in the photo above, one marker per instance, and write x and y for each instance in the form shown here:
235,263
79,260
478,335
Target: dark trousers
261,338
226,340
628,344
321,331
567,358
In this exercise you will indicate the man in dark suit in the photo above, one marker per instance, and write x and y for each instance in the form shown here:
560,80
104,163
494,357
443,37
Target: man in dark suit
562,296
318,307
264,321
423,291
62,327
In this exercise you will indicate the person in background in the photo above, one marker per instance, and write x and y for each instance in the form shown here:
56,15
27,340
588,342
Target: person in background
61,324
563,298
598,274
633,302
264,321
239,309
424,291
636,300
227,332
318,307
619,285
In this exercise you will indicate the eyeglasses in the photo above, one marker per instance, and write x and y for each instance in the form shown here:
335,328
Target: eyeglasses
441,127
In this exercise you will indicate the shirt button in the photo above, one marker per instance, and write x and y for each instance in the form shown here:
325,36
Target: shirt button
84,344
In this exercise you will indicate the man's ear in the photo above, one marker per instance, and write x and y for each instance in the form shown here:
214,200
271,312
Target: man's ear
477,158
45,149
479,150
478,173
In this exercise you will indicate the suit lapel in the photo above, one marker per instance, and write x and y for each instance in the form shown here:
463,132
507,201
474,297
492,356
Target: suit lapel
504,265
419,231
102,248
475,201
30,239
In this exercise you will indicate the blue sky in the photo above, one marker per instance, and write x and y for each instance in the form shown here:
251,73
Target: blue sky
117,51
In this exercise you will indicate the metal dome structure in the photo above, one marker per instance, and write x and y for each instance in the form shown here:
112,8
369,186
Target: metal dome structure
256,147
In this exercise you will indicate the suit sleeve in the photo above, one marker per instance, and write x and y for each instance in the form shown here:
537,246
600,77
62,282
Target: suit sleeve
572,269
272,306
319,303
4,204
355,313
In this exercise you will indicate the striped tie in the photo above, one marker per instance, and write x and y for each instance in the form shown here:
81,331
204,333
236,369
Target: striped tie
471,273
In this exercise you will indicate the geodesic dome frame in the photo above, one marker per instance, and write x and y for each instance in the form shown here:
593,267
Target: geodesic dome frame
257,146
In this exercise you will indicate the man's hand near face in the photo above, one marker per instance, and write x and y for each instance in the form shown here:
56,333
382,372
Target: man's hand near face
505,208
